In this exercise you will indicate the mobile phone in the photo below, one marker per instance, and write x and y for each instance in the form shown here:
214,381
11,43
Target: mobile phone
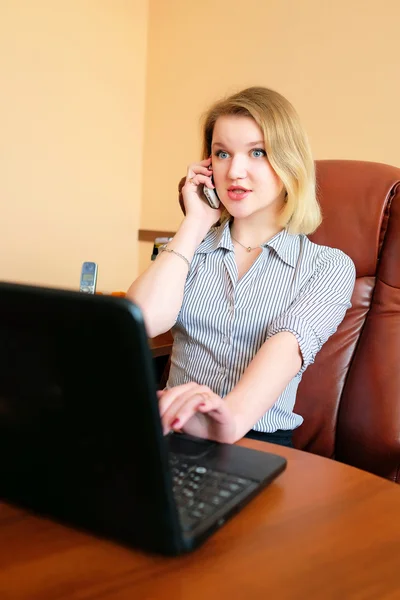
88,278
211,196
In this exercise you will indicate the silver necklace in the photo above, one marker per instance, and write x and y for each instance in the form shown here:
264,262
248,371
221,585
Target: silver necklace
248,248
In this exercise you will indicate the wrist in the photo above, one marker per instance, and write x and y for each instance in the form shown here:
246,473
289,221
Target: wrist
187,239
194,229
238,418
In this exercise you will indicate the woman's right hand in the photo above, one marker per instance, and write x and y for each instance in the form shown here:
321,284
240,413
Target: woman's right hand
195,204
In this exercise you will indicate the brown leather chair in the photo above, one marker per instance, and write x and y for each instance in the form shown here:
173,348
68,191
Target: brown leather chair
350,396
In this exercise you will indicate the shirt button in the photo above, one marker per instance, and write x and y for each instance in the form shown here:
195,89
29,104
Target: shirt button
221,370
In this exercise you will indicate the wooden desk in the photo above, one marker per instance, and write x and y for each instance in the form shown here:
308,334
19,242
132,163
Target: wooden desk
161,345
322,531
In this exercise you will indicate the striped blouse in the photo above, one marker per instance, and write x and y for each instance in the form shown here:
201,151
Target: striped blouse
293,285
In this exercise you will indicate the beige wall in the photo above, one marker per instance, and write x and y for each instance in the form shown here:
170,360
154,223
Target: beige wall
71,131
338,62
73,114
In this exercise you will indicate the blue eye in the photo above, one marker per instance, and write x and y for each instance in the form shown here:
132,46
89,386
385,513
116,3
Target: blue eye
258,153
222,154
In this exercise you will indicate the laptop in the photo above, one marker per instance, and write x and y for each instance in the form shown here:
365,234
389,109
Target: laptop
80,434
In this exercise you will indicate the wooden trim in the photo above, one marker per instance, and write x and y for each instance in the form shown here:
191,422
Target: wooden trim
149,235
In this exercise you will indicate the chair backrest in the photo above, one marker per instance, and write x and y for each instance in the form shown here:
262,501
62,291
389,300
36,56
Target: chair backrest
350,396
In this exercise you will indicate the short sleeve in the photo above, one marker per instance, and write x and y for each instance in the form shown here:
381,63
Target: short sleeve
320,306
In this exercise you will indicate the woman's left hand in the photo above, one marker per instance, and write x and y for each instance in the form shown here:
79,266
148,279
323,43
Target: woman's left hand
196,410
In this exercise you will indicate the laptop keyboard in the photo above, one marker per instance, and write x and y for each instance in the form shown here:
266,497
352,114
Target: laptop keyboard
200,492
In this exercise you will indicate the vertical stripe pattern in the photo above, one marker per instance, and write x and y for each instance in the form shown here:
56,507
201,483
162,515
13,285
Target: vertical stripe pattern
294,285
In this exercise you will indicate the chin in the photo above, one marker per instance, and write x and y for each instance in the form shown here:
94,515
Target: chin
238,212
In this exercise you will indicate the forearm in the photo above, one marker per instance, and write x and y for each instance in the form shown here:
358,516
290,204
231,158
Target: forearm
159,290
268,374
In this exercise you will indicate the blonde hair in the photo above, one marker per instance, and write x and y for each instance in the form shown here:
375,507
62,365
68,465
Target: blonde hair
287,148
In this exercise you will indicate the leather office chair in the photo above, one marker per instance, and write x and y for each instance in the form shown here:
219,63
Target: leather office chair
350,396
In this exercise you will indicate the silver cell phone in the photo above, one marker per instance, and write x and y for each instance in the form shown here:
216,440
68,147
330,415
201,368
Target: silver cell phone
88,278
211,196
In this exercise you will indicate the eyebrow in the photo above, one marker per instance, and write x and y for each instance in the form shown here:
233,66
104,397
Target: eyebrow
259,143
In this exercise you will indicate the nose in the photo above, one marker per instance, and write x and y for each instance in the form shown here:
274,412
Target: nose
237,167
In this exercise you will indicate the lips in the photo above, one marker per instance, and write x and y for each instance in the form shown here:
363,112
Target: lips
235,188
237,192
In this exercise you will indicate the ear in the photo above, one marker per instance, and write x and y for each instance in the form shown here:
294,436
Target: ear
180,186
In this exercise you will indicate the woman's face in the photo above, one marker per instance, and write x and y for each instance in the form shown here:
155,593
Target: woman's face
245,181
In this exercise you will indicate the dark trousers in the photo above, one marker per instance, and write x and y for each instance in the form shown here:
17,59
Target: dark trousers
281,437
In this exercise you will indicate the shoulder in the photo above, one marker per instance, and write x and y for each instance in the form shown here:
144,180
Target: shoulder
324,259
327,255
211,237
208,247
217,237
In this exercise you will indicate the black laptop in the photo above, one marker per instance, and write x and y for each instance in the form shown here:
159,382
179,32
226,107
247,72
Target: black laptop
80,433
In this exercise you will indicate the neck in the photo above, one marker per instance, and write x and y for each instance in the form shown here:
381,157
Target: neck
253,234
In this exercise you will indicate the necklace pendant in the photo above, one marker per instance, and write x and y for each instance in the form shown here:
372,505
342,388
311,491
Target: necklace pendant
249,249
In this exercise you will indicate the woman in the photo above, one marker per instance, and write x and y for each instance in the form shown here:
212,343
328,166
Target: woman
252,300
